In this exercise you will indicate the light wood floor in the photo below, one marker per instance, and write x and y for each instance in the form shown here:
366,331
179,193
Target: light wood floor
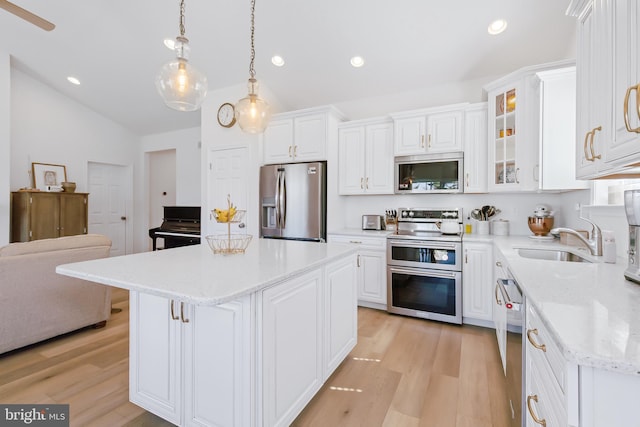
403,372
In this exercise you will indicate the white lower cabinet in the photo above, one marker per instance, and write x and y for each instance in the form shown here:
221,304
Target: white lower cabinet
477,283
371,267
254,361
291,347
190,364
341,314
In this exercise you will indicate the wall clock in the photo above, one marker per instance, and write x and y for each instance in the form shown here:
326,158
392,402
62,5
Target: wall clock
227,115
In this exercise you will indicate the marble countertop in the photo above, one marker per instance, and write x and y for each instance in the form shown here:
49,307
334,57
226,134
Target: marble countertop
361,233
592,311
195,275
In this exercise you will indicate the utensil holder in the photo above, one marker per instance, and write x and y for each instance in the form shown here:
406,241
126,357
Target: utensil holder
482,227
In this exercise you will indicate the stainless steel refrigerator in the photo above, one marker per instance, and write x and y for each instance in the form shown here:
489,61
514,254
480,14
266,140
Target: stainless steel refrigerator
293,201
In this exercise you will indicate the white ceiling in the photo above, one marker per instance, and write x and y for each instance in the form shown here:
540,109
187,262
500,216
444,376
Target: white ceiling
115,48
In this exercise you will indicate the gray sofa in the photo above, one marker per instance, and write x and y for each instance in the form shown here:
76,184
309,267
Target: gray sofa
36,303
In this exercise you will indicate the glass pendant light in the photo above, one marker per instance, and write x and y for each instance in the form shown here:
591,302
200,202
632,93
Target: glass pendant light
252,112
182,86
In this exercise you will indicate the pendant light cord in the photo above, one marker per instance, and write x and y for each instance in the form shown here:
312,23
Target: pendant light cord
252,71
181,18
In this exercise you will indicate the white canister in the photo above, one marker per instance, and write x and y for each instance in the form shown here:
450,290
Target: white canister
608,246
500,227
482,227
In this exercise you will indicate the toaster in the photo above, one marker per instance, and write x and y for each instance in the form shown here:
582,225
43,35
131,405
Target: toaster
372,222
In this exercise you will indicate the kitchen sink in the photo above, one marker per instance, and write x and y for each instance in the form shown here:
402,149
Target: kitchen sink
551,254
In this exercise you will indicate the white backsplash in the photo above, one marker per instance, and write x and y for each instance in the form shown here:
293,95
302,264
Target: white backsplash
514,207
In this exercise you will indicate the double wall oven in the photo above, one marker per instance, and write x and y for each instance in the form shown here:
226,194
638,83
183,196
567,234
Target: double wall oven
424,266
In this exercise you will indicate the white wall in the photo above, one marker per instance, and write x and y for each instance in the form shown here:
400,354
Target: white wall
48,127
187,146
5,147
215,136
422,97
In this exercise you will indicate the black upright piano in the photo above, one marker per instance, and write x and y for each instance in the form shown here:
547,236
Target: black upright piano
180,227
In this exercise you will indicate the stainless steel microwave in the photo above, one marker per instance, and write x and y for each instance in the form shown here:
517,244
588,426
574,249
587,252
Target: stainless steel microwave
429,173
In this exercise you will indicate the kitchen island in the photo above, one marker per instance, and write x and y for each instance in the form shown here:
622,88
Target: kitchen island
233,340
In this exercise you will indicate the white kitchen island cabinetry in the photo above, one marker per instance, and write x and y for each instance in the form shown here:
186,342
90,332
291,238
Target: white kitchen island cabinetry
236,340
477,283
365,157
426,131
371,265
190,364
300,136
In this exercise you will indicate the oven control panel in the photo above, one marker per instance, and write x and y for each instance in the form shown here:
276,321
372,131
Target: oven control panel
428,214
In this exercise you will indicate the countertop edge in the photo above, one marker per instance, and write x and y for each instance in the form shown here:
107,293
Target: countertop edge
206,301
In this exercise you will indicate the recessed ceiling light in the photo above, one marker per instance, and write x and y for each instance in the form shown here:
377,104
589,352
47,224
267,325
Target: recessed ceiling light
73,80
357,61
497,26
170,43
277,60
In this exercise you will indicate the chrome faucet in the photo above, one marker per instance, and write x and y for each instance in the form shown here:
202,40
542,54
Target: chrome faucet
594,243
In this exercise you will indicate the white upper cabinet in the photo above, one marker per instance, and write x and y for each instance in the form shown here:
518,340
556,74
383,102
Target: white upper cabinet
626,82
475,148
365,159
608,130
434,130
531,129
299,136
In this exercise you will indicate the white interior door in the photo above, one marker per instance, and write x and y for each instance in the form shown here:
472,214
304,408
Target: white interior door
108,204
228,169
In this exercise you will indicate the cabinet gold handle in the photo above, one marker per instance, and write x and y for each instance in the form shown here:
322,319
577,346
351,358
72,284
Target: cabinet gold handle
517,175
467,179
498,264
421,141
593,134
429,140
358,260
366,183
586,153
289,151
295,150
542,347
362,183
535,418
496,294
626,107
173,315
184,319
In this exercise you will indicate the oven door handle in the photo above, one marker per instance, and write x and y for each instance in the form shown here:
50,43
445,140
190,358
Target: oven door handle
422,244
423,272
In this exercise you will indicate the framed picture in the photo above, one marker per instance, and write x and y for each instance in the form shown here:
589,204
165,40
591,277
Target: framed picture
45,174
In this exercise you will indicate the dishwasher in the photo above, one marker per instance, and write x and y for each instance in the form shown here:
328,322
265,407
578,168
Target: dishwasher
514,302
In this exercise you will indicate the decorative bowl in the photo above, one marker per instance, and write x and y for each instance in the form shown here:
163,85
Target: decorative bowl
68,187
540,225
229,243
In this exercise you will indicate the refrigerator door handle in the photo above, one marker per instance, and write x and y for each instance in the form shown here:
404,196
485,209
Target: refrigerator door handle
283,201
278,199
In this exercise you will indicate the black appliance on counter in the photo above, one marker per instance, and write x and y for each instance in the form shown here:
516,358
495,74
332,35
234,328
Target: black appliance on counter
180,227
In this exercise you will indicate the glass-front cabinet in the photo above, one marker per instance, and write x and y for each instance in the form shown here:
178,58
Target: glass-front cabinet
504,140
